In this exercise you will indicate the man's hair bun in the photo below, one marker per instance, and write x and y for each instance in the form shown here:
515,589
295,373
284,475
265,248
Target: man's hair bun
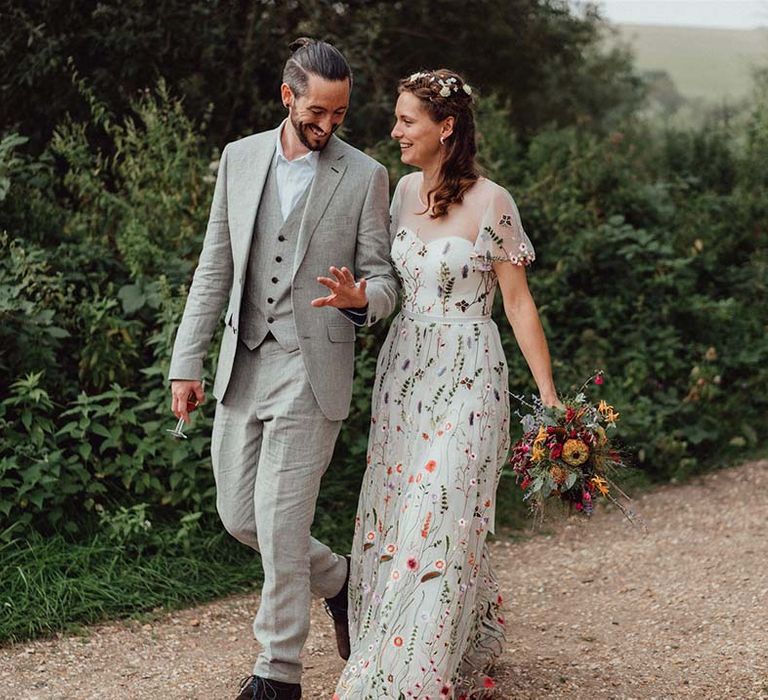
300,43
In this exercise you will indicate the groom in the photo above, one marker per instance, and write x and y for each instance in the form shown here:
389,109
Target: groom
289,204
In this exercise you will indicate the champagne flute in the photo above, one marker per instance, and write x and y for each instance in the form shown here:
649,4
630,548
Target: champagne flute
192,404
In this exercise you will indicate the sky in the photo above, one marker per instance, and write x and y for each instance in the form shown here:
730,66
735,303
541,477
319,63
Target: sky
732,14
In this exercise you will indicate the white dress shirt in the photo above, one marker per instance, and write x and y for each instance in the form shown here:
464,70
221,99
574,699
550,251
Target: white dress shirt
293,176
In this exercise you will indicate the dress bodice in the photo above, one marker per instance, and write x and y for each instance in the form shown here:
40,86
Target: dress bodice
446,266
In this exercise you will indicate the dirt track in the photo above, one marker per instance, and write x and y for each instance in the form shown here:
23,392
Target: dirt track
593,610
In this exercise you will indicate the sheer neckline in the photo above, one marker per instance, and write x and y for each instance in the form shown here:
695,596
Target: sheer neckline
427,242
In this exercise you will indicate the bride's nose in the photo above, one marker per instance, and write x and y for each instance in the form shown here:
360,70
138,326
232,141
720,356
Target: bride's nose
396,133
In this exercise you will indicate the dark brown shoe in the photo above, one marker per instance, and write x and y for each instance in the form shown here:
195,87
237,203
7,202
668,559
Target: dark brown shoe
338,609
258,688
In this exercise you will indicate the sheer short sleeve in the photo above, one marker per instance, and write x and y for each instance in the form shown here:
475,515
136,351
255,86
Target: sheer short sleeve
394,207
501,237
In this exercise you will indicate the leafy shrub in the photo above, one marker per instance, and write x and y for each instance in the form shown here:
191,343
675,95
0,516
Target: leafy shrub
652,265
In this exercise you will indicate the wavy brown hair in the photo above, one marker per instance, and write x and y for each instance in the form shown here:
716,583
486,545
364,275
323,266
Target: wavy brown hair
444,93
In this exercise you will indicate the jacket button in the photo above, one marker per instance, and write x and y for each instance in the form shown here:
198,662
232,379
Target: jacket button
281,238
275,280
270,320
278,259
270,300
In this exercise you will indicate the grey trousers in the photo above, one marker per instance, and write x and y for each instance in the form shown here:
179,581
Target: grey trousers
271,445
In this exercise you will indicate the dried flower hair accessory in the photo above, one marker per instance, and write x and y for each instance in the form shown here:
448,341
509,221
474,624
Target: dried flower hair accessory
448,86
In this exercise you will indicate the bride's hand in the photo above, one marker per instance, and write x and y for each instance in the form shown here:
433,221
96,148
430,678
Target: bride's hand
345,292
552,401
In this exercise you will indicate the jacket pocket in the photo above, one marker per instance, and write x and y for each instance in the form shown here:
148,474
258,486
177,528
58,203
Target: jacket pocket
342,334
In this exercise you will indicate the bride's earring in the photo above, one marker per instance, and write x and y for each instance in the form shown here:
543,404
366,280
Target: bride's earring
442,140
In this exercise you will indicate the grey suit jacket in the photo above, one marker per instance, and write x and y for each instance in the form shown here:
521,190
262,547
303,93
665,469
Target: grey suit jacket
346,222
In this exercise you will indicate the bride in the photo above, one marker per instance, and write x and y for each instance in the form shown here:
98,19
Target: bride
424,605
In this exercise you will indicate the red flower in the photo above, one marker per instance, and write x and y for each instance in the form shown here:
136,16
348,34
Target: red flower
526,483
599,379
570,414
489,682
556,451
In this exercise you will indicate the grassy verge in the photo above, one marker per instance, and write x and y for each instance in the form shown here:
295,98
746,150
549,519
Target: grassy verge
50,584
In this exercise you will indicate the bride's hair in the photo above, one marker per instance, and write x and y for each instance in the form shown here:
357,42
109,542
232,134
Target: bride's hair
444,93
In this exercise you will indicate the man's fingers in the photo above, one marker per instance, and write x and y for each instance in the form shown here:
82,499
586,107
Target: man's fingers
180,408
328,282
323,301
349,278
362,284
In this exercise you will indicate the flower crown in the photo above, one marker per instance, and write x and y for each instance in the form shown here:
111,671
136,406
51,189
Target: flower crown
448,86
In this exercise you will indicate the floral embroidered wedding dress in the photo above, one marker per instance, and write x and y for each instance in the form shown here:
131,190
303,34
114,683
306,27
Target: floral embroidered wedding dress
425,618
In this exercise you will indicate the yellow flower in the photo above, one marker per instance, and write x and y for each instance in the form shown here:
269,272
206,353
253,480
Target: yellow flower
600,484
575,452
541,435
612,416
538,453
603,407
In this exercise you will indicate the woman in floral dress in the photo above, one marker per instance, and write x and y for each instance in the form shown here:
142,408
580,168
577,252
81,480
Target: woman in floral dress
425,618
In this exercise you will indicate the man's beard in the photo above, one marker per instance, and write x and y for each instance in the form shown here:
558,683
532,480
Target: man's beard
301,130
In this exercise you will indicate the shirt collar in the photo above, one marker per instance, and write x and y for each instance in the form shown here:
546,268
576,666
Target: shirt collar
308,158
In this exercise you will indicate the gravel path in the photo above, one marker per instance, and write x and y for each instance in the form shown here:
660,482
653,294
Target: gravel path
595,609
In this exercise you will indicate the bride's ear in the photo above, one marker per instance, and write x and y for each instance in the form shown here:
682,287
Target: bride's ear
447,128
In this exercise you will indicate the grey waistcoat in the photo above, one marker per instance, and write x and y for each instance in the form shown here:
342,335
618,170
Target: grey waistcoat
267,295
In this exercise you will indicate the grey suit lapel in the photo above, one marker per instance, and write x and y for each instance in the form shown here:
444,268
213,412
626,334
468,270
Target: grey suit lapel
248,184
330,170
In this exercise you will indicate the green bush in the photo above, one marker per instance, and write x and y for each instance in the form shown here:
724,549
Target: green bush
652,265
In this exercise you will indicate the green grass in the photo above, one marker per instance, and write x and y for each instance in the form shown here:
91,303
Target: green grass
50,584
711,64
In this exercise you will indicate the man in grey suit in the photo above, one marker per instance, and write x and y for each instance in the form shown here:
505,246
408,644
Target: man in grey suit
289,205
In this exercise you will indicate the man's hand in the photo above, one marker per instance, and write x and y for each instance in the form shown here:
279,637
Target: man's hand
345,292
186,395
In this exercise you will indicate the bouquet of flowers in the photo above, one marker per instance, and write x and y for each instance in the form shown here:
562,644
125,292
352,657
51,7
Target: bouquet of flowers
565,453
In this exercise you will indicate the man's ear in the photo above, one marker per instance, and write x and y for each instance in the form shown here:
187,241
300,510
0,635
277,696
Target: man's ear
286,95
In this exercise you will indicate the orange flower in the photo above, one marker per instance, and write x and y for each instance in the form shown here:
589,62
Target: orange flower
600,484
430,466
398,641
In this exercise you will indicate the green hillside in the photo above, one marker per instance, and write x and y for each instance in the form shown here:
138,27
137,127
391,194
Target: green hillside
707,63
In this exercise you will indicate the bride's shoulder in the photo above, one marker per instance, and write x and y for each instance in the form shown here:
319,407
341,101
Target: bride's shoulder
489,191
405,182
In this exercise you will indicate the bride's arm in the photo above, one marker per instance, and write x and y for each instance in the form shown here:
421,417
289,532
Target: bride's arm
523,316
